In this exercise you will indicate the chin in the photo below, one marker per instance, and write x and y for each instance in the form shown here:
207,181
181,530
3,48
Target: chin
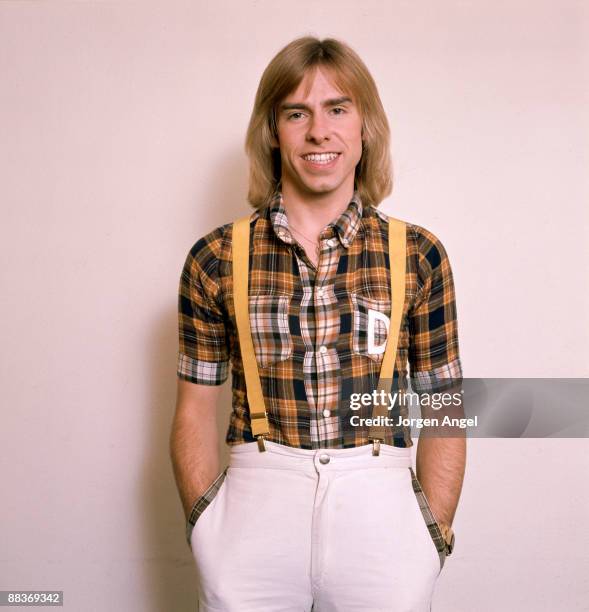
321,188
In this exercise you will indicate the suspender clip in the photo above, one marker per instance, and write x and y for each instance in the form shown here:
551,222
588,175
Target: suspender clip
376,447
261,445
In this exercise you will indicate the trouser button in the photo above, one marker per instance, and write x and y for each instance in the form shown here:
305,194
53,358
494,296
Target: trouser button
324,458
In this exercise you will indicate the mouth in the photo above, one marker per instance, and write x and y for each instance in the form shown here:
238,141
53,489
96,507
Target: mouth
321,160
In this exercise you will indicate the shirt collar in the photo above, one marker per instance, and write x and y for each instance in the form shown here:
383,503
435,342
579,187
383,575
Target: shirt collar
346,226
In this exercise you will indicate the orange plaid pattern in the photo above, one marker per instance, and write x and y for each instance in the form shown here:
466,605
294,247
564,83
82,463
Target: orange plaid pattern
310,325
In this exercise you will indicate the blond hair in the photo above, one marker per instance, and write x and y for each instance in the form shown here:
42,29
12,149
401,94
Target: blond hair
373,175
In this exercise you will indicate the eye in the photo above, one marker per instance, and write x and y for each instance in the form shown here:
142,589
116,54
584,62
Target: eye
294,116
338,110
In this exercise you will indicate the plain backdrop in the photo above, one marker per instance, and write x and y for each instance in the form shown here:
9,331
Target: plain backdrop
121,143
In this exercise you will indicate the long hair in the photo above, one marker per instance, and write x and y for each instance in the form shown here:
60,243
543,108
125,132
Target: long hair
373,175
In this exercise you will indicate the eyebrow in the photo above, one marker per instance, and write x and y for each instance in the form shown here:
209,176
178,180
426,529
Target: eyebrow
299,105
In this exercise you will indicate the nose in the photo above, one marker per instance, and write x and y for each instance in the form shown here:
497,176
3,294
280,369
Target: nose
318,129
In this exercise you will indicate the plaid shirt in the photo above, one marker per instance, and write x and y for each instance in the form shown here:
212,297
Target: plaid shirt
310,325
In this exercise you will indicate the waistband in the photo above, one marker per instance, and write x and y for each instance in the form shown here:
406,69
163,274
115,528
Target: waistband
279,456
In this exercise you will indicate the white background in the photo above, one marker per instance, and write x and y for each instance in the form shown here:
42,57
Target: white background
121,143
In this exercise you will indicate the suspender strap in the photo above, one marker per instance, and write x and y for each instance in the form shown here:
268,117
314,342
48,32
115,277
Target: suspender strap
255,397
397,263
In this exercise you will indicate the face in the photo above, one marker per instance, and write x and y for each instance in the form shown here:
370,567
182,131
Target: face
320,138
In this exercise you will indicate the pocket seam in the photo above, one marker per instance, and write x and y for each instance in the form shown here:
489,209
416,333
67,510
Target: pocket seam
429,519
199,506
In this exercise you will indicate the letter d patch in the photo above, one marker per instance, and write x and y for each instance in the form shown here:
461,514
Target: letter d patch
373,317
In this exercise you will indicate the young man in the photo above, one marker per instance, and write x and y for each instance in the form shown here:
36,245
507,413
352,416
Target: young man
316,512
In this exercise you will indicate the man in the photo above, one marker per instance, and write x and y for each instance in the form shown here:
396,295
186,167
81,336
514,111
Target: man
316,512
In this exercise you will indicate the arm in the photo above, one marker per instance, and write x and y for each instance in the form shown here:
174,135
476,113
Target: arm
435,367
440,465
194,446
203,359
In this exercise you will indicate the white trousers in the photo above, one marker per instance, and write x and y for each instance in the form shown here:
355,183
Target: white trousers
295,530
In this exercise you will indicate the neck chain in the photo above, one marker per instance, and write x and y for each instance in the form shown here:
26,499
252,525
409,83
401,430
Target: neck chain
313,242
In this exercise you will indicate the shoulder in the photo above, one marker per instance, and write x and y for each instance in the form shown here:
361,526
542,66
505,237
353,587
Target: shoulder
422,243
428,246
213,250
204,255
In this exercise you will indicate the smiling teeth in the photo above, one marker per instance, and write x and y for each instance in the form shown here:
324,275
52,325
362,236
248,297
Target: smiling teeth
323,158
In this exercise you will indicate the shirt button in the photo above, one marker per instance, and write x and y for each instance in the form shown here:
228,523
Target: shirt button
323,349
319,292
324,459
326,413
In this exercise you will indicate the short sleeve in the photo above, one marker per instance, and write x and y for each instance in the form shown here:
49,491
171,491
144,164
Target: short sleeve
433,327
203,353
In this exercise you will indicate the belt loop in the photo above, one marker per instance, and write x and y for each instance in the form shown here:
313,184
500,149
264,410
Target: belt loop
376,447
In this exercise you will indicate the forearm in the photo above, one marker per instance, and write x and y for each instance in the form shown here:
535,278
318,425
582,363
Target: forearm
440,464
194,451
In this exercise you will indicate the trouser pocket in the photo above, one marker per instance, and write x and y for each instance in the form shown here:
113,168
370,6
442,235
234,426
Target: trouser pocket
202,503
428,517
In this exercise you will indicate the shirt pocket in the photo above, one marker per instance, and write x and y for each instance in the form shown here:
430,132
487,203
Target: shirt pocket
370,324
270,330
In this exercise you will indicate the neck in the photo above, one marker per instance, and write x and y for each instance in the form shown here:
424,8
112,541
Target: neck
311,215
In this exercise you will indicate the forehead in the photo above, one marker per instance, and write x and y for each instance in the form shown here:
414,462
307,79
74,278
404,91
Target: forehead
320,81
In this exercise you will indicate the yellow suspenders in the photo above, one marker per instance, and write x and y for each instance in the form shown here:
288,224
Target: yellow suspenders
255,397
